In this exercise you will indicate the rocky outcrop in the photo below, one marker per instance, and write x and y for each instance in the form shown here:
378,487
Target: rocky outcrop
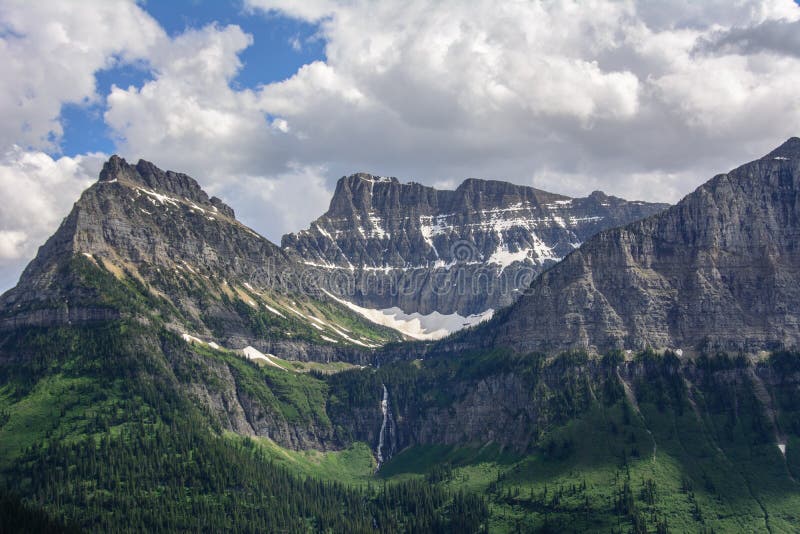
140,218
720,270
383,243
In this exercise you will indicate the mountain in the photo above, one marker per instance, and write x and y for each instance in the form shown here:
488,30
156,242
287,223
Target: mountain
189,263
120,413
718,271
385,244
135,396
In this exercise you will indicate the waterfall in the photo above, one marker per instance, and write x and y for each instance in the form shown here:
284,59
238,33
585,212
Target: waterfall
386,426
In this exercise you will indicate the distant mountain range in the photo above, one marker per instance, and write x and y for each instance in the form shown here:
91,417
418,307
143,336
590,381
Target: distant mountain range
720,270
386,244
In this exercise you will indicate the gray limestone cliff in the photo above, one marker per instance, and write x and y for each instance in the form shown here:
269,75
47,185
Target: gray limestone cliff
718,271
383,243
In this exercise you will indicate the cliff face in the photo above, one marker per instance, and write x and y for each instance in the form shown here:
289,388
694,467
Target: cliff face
517,402
383,243
721,269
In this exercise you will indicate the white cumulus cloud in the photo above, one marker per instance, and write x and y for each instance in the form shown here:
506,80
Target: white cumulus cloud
50,52
38,192
639,99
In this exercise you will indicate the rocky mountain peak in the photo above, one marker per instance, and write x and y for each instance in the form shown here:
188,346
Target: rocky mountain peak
788,150
393,235
139,220
355,193
149,176
717,271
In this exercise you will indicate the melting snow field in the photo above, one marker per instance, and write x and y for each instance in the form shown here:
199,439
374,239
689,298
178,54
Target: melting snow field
255,354
250,352
415,325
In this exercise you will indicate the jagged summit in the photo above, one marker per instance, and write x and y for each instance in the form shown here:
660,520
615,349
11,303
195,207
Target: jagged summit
146,243
789,149
147,174
397,238
368,177
137,221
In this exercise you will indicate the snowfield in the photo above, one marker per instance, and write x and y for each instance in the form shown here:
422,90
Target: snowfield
415,325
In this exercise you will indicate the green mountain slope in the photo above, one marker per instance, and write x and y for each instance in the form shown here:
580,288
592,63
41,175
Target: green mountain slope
608,445
102,428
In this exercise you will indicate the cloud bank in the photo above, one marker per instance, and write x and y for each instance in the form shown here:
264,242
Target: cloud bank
640,99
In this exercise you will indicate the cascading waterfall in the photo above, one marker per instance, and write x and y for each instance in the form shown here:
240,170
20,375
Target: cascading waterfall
386,427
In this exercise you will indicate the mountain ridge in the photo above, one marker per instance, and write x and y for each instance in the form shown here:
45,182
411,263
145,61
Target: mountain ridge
194,265
124,424
404,244
717,270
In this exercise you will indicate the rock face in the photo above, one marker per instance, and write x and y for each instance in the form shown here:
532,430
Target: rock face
720,270
140,216
516,407
186,258
383,243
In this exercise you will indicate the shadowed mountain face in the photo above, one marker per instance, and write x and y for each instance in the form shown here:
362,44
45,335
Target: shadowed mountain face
720,270
383,243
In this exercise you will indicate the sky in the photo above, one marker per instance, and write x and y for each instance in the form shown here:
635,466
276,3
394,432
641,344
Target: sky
268,102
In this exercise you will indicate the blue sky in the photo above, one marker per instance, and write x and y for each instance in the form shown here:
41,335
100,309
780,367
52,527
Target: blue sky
272,57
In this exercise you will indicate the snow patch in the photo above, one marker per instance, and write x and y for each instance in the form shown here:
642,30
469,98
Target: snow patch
158,197
503,257
415,325
782,446
377,228
273,310
254,354
543,252
195,206
191,339
373,179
